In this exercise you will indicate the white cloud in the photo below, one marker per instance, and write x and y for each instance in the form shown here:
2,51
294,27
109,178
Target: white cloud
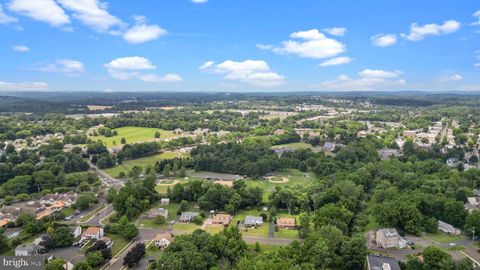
67,66
41,10
384,40
142,32
133,67
265,46
310,44
21,48
6,19
199,1
23,86
368,80
450,78
336,31
336,61
254,72
157,78
477,65
418,32
477,15
92,13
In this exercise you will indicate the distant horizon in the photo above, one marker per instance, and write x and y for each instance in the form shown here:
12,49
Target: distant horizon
240,46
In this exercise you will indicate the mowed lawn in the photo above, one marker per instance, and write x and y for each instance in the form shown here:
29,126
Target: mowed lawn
296,145
133,135
259,231
144,162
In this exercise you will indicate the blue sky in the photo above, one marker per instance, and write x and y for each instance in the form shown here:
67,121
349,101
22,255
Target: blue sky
239,45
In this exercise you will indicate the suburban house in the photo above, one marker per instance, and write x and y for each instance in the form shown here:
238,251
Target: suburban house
328,147
389,238
157,212
164,201
76,231
253,221
473,203
386,154
409,134
452,162
92,233
286,223
187,216
445,227
375,262
107,241
223,219
162,240
26,250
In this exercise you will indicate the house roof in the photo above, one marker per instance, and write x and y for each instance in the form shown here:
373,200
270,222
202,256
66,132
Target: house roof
28,248
389,232
376,262
253,219
105,239
92,230
187,215
286,221
161,236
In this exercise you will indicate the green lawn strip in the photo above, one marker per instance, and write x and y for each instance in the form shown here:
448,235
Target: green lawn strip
153,252
67,211
133,135
214,229
265,248
118,243
297,145
442,237
143,162
185,228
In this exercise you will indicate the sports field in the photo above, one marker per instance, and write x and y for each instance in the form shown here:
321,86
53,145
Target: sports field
133,135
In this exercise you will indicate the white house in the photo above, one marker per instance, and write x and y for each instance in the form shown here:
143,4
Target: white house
162,240
76,231
92,233
445,227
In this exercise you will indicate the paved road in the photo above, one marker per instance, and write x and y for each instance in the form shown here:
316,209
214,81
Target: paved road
106,179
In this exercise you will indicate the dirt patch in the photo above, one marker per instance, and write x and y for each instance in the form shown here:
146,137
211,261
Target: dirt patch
277,179
168,182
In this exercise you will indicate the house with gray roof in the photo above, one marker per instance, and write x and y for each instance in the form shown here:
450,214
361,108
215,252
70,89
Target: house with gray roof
26,250
376,262
253,221
187,216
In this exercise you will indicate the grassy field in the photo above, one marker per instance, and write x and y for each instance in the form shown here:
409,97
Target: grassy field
444,237
118,243
295,177
127,165
67,211
297,145
133,135
214,229
259,231
185,228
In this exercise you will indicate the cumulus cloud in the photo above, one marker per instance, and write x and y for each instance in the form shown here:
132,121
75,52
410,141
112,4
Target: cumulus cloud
254,72
336,61
199,1
309,44
125,68
92,13
368,79
419,32
384,40
451,78
6,19
336,31
141,32
41,10
477,15
477,65
23,86
67,66
21,48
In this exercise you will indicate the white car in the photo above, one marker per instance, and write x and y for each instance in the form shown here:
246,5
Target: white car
452,244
